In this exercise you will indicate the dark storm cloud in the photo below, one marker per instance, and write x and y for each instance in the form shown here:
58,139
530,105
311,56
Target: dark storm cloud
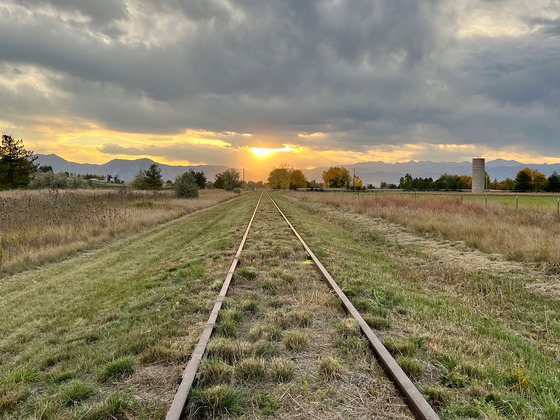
366,72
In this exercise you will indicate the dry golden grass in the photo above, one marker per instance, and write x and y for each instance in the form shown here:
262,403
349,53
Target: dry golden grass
528,235
38,226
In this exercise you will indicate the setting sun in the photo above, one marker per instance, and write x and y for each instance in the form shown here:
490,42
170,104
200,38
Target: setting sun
261,152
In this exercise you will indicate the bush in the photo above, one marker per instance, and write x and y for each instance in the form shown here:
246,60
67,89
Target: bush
186,186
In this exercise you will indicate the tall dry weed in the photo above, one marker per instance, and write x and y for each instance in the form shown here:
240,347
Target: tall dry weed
529,235
41,225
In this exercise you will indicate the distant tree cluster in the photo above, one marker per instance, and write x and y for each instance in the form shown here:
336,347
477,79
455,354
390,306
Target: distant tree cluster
445,182
286,177
61,180
527,180
228,180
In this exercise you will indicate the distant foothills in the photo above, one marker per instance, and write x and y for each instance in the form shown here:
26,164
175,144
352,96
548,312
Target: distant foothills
369,172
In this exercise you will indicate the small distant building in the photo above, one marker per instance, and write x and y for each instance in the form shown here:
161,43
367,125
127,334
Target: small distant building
478,176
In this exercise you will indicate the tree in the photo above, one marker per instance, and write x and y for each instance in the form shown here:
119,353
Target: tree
337,177
553,183
109,178
45,168
357,183
279,177
154,180
539,181
139,181
228,180
16,163
219,181
297,180
199,178
524,180
186,186
406,182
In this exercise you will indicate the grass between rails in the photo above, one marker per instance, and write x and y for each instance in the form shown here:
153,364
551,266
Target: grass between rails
529,235
284,346
106,335
39,226
478,345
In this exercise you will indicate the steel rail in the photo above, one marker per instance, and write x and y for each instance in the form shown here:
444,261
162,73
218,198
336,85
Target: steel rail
177,406
413,397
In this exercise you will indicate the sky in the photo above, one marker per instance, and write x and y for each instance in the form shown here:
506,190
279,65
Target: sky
307,83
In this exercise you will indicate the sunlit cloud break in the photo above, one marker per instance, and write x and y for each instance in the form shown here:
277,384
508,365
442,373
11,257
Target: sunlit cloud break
261,151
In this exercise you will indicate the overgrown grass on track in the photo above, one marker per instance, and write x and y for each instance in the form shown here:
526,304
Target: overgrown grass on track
100,335
478,345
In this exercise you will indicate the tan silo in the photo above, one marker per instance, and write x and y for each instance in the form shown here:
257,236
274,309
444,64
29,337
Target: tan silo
478,176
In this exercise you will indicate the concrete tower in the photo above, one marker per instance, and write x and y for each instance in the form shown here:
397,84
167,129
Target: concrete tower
478,176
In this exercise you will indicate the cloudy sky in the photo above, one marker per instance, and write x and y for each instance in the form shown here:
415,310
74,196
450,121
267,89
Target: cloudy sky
324,81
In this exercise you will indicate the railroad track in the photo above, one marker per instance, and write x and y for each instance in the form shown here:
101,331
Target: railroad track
292,297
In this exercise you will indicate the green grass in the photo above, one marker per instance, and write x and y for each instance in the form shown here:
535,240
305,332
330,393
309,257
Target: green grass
477,331
118,368
215,401
96,318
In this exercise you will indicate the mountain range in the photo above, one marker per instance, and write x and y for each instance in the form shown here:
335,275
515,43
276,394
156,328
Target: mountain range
369,172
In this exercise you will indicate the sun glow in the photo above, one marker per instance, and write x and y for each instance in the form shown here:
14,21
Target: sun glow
261,151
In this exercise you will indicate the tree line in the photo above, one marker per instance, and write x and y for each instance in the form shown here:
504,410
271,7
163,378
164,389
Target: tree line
526,180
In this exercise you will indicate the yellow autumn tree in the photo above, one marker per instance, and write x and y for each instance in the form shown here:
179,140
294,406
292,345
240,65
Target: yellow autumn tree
539,180
337,177
278,177
357,183
297,180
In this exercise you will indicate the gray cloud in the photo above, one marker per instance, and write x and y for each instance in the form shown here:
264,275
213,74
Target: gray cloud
367,72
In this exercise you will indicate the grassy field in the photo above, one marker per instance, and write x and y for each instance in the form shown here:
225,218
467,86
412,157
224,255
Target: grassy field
529,235
38,226
478,344
106,334
540,201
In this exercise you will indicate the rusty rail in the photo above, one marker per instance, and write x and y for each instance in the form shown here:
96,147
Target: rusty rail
176,410
413,397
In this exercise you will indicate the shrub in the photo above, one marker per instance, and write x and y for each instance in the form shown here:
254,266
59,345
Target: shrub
185,186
